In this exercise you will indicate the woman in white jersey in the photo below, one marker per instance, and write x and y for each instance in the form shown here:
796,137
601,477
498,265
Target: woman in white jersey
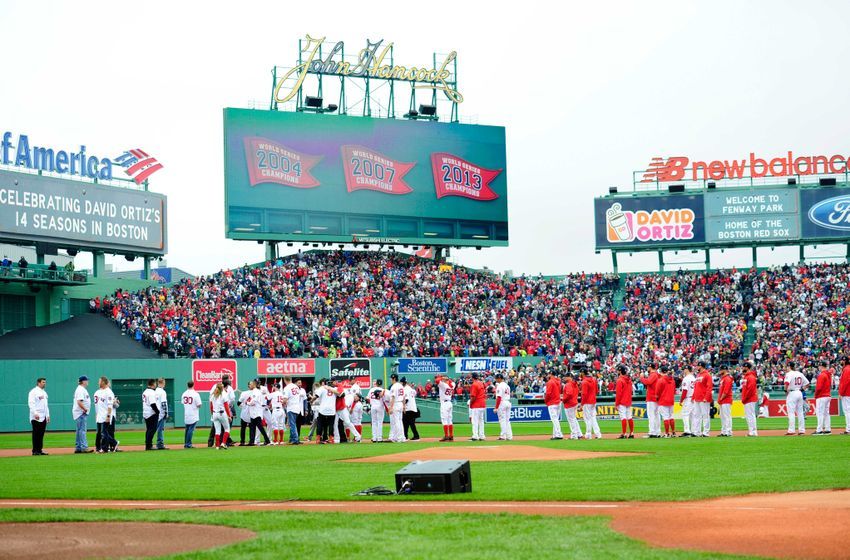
221,415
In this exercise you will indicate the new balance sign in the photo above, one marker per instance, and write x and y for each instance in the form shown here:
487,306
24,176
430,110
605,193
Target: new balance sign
206,373
680,168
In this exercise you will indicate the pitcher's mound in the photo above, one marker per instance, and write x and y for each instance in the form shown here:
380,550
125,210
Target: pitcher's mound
491,453
72,541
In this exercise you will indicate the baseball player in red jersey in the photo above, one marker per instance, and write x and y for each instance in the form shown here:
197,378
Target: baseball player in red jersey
703,396
589,388
724,402
823,394
652,402
571,407
665,396
552,399
749,398
477,402
623,402
844,394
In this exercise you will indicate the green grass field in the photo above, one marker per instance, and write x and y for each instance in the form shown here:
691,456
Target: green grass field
667,471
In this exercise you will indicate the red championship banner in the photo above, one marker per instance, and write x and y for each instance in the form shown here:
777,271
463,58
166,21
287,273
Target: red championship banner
368,169
286,366
270,162
454,176
206,373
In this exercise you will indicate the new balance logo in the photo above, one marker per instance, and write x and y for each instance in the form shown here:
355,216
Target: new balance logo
661,171
138,164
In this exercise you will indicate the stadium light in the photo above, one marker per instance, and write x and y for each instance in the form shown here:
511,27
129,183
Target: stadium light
316,105
712,185
427,110
676,188
425,113
792,180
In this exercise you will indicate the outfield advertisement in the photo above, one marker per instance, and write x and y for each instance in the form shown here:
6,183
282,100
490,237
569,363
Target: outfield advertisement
286,367
346,372
335,178
206,373
723,217
422,365
81,215
522,414
478,365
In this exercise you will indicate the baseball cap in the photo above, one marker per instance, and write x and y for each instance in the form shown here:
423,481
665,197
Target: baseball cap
499,376
83,378
403,379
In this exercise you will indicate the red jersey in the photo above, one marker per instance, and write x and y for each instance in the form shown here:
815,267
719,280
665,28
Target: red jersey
724,393
649,383
703,388
552,396
665,390
623,391
844,384
477,395
589,388
749,388
570,393
823,388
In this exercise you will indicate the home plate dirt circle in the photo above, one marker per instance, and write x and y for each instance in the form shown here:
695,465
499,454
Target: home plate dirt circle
491,453
72,541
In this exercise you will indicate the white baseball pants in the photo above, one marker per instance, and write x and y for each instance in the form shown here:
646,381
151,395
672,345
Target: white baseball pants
476,417
654,418
845,405
687,415
555,417
377,415
750,414
446,409
396,427
726,419
590,423
822,411
504,414
795,407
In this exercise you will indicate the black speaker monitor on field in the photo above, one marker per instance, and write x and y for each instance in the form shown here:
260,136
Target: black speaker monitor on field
434,477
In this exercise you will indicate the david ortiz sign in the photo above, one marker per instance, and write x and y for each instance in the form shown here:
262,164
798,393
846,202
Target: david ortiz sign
285,366
347,372
206,373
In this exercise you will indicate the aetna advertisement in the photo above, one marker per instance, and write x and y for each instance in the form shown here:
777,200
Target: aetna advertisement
284,366
206,373
346,372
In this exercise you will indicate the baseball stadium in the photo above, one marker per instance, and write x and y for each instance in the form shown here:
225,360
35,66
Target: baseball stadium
367,318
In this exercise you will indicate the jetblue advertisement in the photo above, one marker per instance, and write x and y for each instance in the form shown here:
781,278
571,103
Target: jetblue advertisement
522,414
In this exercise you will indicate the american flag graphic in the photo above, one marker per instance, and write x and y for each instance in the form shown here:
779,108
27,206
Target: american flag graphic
138,164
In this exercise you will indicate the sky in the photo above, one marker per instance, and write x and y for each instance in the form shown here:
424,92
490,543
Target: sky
588,93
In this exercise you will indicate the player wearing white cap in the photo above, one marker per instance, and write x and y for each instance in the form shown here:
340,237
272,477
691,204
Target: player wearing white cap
377,408
277,400
503,408
446,389
795,405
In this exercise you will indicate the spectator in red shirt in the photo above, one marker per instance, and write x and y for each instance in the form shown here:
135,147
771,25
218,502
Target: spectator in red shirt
589,389
724,400
649,381
477,402
571,406
749,397
623,402
844,393
823,394
665,395
552,398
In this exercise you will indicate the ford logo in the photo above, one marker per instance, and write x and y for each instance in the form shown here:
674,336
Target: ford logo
832,213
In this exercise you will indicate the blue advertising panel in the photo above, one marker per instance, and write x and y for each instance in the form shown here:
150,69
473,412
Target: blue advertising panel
651,221
522,414
422,365
472,365
825,213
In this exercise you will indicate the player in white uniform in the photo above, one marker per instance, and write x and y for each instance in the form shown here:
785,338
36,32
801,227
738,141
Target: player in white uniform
503,408
221,415
244,415
150,412
687,402
795,405
162,404
377,408
80,412
344,416
40,415
277,401
356,412
256,403
446,389
294,408
396,408
191,412
267,404
103,401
